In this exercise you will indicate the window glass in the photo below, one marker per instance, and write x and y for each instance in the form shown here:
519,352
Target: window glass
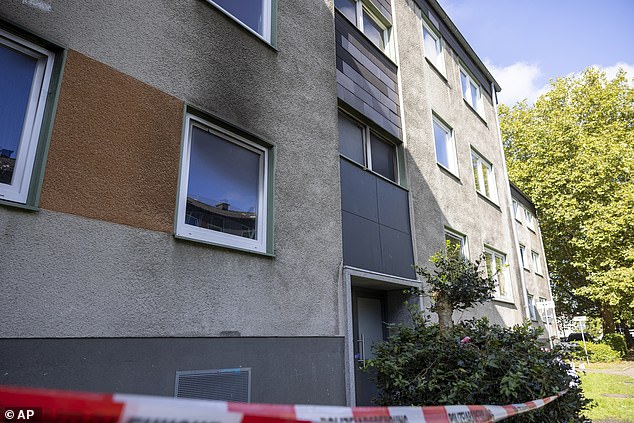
373,30
18,71
455,243
523,256
496,265
483,176
465,85
351,142
348,8
471,91
475,96
531,307
383,157
253,13
445,153
223,185
537,267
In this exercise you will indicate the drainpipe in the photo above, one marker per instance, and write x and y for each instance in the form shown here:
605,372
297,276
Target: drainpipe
510,205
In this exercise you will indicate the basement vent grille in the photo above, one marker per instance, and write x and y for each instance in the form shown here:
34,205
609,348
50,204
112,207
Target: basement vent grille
218,384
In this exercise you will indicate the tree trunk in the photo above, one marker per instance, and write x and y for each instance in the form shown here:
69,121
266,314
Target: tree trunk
444,311
608,319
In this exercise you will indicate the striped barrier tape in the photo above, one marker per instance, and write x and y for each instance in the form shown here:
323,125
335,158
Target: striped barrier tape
19,405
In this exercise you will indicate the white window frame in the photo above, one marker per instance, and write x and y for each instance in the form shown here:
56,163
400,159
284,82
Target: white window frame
435,54
18,190
367,149
467,95
464,249
504,271
478,160
449,138
536,262
529,219
523,257
531,307
195,233
517,211
364,6
267,16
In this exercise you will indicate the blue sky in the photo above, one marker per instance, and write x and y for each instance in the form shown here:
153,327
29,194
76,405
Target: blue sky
525,43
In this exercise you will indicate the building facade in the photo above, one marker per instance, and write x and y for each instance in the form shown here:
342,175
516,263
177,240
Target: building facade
220,200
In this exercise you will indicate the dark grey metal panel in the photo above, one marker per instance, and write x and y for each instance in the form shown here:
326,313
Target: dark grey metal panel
367,111
284,369
368,97
393,206
375,222
396,253
366,79
358,191
361,242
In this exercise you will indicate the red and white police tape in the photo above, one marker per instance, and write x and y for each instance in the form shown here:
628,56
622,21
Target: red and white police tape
39,405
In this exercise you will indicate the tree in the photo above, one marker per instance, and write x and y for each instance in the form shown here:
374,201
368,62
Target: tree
455,283
573,154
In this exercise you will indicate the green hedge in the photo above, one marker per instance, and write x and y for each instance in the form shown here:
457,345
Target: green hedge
598,353
475,363
617,342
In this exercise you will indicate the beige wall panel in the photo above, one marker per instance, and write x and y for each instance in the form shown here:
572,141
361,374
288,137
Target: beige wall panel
115,149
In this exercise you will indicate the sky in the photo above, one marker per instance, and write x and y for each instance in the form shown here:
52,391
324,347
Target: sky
526,43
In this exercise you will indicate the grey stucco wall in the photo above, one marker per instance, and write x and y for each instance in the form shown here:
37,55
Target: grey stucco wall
283,370
68,276
439,199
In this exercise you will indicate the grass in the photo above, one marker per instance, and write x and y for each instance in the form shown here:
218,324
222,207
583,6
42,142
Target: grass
595,385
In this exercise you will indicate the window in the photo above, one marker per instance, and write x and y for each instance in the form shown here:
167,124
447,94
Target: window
445,146
516,211
528,218
369,21
456,242
24,83
483,176
496,267
254,14
537,265
531,308
523,257
432,45
471,91
223,188
360,144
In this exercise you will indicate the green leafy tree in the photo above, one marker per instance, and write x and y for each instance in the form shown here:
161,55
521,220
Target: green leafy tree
572,152
454,283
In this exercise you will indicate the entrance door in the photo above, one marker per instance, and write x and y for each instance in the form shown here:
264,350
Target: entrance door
368,317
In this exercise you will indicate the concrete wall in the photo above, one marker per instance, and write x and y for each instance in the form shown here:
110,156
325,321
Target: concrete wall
283,370
440,199
114,157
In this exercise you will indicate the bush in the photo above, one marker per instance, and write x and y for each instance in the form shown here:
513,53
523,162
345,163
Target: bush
475,363
598,353
617,342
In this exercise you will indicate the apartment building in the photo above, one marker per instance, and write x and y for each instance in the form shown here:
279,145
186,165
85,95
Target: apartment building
217,199
533,269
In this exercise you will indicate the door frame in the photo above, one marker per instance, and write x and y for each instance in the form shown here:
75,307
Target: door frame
353,276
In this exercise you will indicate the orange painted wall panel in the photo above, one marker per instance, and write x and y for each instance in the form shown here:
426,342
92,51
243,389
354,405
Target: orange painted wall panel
115,148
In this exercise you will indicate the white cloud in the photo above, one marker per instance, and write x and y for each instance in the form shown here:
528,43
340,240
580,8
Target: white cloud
518,81
610,71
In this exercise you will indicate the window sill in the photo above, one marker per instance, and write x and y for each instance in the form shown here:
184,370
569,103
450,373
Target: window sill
504,300
449,173
488,200
440,73
224,246
19,206
475,112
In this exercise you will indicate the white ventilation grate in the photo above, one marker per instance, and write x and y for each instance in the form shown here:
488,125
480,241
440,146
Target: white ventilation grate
218,384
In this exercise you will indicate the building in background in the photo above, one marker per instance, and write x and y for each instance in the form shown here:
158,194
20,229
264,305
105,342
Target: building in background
211,199
533,269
